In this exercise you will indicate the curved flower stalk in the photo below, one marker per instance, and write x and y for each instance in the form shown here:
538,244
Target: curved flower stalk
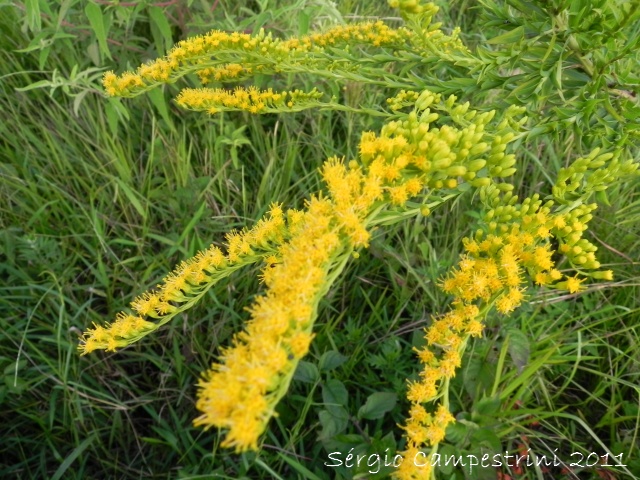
187,284
229,57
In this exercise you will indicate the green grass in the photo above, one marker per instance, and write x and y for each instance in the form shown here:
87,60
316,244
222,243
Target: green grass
98,200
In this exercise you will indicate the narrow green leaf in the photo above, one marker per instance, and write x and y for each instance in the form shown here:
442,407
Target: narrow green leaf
131,196
34,20
96,20
513,36
192,223
159,21
157,99
304,21
34,85
72,456
298,467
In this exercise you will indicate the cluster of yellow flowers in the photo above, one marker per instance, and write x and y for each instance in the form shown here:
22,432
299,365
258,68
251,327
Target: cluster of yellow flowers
240,392
250,99
223,73
206,55
440,147
187,284
368,33
404,98
303,252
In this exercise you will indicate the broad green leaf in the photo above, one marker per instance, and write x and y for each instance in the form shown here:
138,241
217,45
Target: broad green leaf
306,372
304,20
443,460
489,406
518,348
334,395
331,360
377,405
487,438
333,422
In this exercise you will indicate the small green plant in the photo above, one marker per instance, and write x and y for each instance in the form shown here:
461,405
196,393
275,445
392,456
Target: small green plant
431,149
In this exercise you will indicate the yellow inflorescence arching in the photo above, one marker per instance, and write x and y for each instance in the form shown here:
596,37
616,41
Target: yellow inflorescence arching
250,99
436,152
261,53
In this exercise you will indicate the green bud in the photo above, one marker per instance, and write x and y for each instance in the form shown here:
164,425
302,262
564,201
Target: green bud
496,158
508,137
425,99
479,149
580,259
428,117
498,148
456,171
476,165
441,163
508,161
606,275
507,172
481,182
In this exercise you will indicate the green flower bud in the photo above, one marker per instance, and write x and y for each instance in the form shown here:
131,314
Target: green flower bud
479,149
481,182
456,171
507,172
508,161
476,165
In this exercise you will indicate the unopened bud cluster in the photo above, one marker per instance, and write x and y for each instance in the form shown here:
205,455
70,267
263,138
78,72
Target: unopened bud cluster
590,174
250,100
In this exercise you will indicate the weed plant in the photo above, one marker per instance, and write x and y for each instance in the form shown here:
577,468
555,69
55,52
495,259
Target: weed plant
101,197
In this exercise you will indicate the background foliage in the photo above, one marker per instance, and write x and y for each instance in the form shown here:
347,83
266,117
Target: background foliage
100,197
